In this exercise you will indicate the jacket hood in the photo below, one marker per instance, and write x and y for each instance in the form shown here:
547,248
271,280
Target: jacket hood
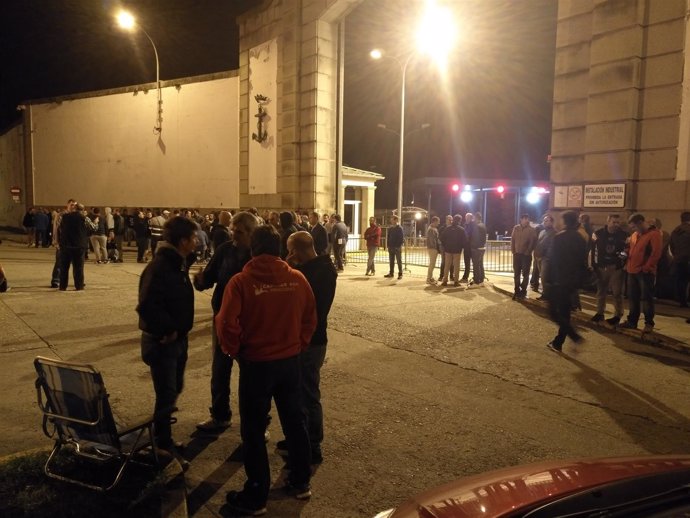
265,267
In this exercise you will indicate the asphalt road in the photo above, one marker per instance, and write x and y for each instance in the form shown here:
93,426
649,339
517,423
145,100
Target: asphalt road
421,385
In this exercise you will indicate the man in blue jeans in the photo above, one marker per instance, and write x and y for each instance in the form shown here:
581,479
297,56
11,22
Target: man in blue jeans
395,241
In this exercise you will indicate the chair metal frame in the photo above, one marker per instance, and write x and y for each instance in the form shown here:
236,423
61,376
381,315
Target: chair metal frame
83,419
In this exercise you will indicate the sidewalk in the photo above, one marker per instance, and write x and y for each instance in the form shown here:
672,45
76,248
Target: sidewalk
671,330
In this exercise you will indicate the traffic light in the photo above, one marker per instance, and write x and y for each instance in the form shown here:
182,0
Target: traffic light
455,187
501,189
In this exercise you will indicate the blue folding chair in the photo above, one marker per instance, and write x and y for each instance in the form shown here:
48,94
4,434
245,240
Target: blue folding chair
74,401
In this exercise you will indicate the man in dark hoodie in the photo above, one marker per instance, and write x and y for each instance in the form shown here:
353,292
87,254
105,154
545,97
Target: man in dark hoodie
321,275
680,250
166,315
229,259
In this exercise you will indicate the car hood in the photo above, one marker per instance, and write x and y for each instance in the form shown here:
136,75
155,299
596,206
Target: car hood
504,492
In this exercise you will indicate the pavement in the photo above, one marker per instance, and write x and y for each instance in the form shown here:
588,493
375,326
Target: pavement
24,341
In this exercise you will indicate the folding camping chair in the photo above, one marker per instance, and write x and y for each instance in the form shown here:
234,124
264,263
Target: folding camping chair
74,401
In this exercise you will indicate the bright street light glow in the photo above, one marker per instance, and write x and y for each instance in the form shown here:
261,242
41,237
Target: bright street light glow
125,20
417,216
437,32
466,196
376,54
533,198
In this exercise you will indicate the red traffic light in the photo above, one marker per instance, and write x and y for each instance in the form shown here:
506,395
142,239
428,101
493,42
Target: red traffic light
501,189
455,187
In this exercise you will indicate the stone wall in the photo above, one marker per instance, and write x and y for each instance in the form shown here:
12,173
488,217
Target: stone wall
12,175
307,106
617,100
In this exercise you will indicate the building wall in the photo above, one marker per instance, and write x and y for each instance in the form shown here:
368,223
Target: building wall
101,149
12,175
306,111
617,101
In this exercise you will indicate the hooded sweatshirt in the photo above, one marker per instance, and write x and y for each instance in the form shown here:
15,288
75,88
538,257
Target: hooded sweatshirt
268,312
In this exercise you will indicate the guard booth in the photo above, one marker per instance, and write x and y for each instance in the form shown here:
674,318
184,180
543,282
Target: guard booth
357,192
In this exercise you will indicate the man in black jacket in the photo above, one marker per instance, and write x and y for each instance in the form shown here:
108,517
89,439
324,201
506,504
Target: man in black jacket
319,234
567,268
229,259
321,275
453,240
394,240
166,315
73,243
679,245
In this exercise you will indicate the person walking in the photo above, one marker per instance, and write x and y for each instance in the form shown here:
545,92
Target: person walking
372,236
567,268
166,315
395,242
229,260
269,360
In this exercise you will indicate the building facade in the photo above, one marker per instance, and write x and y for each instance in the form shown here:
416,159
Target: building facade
621,118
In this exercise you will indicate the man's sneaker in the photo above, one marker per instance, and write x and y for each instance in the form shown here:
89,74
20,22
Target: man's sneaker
300,492
388,276
464,280
554,346
613,321
399,276
444,283
597,318
648,328
240,503
431,281
628,325
213,425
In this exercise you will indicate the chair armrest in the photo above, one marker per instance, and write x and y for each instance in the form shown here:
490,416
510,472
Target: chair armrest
134,427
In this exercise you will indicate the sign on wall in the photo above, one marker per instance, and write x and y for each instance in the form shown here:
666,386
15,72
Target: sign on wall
604,195
567,196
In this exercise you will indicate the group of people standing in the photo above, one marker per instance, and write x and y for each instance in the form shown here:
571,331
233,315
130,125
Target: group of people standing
272,294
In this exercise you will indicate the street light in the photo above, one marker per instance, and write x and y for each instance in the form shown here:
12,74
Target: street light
127,22
435,36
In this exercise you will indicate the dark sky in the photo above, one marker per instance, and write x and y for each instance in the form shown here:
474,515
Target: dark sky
490,118
56,47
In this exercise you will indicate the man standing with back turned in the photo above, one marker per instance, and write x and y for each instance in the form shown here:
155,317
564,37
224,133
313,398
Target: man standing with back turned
266,320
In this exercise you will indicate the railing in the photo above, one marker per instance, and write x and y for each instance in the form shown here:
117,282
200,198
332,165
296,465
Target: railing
497,257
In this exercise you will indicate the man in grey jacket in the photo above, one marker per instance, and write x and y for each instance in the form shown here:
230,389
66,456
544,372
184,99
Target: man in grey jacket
522,243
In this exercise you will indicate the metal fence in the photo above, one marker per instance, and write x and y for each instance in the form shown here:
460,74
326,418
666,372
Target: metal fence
497,257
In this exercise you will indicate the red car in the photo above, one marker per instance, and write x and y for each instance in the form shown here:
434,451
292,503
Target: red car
630,487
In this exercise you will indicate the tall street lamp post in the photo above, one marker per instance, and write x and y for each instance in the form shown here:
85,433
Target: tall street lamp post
435,35
126,21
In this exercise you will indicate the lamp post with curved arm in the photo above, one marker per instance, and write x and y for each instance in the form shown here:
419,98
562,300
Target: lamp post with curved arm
126,21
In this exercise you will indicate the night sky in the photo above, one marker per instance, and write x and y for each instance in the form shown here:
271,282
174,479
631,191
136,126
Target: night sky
490,116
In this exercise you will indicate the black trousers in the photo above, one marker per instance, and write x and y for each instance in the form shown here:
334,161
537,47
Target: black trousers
395,254
167,363
682,278
311,362
75,257
259,383
521,266
142,245
55,276
221,369
560,298
467,257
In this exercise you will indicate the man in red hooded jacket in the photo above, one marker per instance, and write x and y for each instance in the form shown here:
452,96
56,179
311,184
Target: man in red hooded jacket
266,320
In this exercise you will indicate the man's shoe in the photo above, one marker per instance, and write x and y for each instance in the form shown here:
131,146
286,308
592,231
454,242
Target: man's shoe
534,288
399,276
613,321
388,276
53,285
431,281
515,296
464,280
444,283
456,283
213,425
239,502
648,328
628,325
597,318
300,492
554,346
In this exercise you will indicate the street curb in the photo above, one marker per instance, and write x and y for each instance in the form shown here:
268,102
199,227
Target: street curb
656,339
174,499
